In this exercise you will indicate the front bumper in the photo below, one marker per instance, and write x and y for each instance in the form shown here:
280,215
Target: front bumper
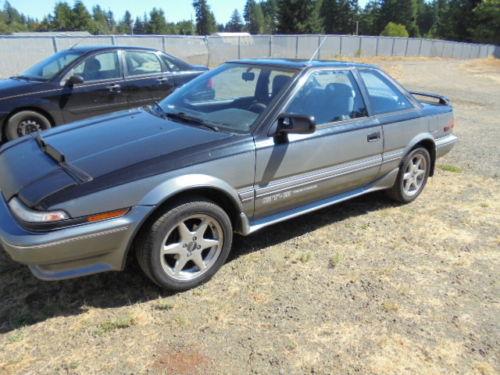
71,252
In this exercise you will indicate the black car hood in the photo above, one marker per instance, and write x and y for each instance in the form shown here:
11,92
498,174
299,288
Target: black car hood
17,86
110,149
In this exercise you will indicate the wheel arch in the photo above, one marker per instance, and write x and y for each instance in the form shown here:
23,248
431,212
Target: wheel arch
40,110
166,196
427,142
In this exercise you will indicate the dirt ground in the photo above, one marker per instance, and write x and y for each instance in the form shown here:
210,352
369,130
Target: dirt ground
364,287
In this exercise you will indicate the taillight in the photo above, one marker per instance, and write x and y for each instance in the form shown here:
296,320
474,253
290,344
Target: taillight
449,126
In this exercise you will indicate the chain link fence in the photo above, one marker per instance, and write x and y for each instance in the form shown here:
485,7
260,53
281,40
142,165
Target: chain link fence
19,52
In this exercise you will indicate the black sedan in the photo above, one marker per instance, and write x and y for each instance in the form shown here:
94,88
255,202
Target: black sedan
86,81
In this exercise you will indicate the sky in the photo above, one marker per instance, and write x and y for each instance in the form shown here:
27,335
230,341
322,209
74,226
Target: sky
175,10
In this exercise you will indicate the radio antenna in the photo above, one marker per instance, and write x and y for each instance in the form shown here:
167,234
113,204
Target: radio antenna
317,49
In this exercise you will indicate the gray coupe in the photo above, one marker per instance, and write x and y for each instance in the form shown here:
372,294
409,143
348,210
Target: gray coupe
249,144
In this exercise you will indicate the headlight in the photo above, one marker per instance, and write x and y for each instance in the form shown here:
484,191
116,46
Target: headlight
30,216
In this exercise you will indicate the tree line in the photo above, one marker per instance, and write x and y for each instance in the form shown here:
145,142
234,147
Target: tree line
460,20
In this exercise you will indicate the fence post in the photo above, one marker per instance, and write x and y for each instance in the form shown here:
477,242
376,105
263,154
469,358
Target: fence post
340,46
239,47
420,47
113,40
318,56
164,43
358,52
270,46
54,44
376,46
205,38
393,43
406,48
296,46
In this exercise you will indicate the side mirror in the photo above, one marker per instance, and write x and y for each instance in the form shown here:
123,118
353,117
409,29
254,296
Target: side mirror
295,124
75,80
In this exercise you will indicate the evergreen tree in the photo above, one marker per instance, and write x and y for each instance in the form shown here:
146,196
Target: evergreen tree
254,17
339,16
80,17
126,25
270,10
205,19
157,23
402,12
185,27
63,17
235,23
486,26
299,16
140,26
100,21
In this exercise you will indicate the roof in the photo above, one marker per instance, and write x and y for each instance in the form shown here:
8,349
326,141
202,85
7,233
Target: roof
299,63
89,48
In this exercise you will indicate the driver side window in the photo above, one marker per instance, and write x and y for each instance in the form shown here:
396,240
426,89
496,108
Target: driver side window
329,96
99,67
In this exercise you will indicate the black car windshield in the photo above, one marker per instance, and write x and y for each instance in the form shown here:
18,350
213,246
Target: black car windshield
229,98
50,67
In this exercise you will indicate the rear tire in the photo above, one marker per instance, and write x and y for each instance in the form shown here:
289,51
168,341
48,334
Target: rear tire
412,176
185,246
25,122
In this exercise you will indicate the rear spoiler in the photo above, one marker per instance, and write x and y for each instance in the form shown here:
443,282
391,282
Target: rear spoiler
443,100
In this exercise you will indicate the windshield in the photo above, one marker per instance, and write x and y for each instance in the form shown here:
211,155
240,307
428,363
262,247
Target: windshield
230,97
50,67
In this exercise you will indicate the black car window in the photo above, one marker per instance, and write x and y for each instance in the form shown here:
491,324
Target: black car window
139,63
99,67
329,96
384,95
50,67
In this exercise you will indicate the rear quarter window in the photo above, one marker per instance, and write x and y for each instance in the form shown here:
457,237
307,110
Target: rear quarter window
384,96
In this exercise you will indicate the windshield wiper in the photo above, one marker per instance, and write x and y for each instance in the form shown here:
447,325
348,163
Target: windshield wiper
192,119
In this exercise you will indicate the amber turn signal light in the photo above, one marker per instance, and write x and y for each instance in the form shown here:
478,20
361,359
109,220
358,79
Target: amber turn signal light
107,215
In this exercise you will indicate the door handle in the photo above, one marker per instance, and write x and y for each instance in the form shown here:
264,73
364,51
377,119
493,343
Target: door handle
116,88
163,80
373,137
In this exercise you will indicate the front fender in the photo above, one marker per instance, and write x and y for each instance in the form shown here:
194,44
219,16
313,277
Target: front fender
183,183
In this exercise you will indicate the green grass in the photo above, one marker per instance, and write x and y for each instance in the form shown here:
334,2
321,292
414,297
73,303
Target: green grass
15,337
449,168
114,324
164,306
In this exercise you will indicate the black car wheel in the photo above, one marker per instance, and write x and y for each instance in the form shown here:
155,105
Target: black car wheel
185,246
412,176
25,122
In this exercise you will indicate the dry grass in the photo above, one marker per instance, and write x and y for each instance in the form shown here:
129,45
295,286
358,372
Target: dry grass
365,287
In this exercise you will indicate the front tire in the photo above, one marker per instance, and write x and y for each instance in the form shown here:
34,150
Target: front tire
25,122
186,246
412,176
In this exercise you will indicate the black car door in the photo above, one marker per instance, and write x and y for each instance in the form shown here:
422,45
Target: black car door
146,78
101,89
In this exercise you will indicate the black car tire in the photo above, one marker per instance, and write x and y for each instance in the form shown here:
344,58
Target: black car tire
31,121
152,240
398,192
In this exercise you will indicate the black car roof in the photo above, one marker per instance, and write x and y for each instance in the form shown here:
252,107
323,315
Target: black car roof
108,47
298,63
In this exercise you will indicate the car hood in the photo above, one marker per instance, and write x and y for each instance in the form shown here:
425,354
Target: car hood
13,86
110,150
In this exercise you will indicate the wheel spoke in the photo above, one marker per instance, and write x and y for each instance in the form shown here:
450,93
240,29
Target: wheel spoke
202,228
205,243
184,232
406,176
417,163
180,264
174,248
198,261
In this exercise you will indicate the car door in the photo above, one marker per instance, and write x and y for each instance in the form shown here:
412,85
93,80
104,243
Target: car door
343,153
147,79
101,90
180,72
396,112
